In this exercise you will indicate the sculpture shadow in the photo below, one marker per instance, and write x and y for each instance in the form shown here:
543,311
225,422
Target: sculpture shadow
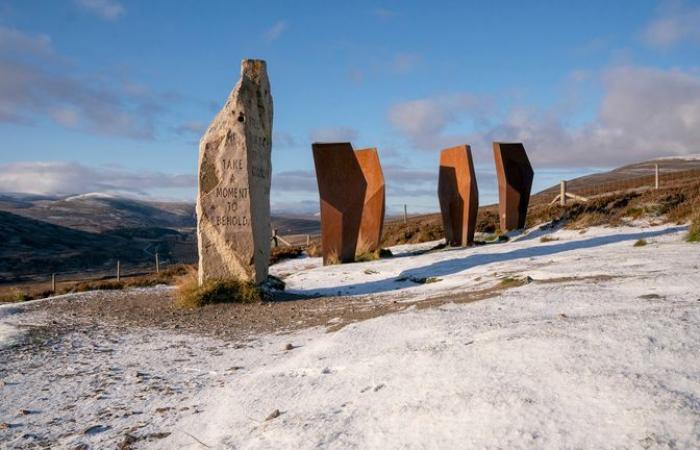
452,266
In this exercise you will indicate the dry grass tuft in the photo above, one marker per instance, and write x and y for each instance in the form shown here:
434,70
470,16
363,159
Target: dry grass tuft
640,243
332,259
694,230
373,255
191,295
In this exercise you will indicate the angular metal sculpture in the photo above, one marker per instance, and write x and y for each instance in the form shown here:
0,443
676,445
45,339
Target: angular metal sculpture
341,187
515,176
458,194
374,202
233,205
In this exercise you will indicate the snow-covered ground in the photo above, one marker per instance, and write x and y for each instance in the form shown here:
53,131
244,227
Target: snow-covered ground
569,253
600,350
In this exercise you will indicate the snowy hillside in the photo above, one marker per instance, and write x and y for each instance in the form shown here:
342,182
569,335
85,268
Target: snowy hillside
581,340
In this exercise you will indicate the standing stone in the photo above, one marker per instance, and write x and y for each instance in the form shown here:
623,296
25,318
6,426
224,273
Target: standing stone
373,208
458,194
341,188
515,175
233,205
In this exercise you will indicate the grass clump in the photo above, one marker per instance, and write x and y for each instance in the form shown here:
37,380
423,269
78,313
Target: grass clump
516,281
191,295
694,229
548,239
278,254
640,243
418,280
373,255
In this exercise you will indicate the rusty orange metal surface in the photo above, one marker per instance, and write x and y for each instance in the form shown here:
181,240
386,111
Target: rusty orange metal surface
515,175
373,207
458,194
341,187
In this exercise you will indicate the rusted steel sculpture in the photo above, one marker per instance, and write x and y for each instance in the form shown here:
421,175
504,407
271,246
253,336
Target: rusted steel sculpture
458,195
515,176
341,187
374,201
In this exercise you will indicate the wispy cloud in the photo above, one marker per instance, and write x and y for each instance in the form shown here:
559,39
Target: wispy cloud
14,42
384,13
675,22
333,134
66,178
405,62
294,180
282,139
276,30
194,127
33,86
104,9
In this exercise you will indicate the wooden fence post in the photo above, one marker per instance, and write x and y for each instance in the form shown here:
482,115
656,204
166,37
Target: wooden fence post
157,264
405,214
656,176
562,193
53,283
119,271
308,240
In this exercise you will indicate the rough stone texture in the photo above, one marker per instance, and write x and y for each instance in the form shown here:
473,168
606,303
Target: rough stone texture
515,176
374,204
458,194
341,187
233,205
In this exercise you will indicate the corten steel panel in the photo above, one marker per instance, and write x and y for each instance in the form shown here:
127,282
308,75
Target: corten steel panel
515,176
374,201
341,187
458,195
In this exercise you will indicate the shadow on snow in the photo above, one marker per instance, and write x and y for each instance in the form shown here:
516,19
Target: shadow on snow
453,266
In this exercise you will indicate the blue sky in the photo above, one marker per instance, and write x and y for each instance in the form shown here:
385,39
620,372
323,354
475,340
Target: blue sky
113,95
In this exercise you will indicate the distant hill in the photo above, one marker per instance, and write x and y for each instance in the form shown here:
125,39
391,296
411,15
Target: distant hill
35,247
45,234
100,212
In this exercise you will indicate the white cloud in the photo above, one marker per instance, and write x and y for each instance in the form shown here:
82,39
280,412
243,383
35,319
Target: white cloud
674,22
424,121
276,30
333,134
104,9
66,178
644,113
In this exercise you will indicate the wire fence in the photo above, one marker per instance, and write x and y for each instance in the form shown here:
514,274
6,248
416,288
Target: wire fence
666,180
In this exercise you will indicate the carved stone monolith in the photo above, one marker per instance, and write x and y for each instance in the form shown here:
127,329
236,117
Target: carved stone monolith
341,187
233,205
515,175
458,194
374,203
